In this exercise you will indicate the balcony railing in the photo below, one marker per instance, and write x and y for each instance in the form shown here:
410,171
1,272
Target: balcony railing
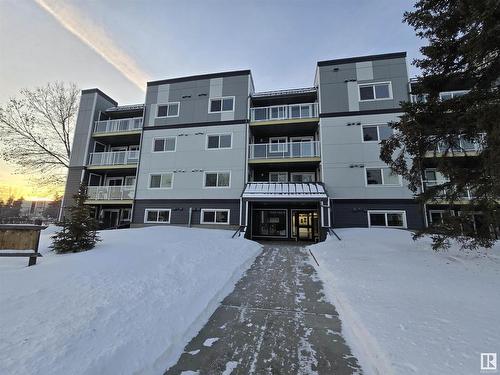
285,112
121,125
461,145
110,192
445,191
114,158
309,149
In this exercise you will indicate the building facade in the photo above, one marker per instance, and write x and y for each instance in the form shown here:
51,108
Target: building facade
209,150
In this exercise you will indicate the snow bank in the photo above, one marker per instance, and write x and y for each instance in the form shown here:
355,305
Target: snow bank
129,305
408,310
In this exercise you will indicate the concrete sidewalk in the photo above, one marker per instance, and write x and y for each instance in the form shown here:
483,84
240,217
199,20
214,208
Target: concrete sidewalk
276,321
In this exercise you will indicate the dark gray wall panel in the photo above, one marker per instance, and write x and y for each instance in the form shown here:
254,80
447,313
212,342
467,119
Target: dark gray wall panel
180,209
353,213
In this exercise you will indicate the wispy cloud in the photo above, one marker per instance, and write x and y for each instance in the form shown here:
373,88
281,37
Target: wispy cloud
96,38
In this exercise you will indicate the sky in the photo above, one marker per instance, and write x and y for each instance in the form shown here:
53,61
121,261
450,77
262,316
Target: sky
118,45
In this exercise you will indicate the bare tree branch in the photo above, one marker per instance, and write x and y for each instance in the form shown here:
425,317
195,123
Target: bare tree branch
37,129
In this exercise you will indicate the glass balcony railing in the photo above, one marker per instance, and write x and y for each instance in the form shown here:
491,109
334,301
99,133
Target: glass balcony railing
110,192
284,112
460,145
286,150
121,125
114,158
468,194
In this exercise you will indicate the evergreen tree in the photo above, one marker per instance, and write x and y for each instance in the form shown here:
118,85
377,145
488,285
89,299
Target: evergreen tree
463,49
78,232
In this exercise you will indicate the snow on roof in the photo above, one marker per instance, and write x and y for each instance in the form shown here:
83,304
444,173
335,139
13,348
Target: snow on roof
294,190
284,92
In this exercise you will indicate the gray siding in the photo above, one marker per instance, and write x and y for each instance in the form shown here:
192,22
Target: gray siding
342,148
189,161
72,185
180,209
353,213
194,96
339,88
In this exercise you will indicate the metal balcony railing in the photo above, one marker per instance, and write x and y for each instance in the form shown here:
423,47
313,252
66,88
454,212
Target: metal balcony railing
284,112
120,125
442,194
110,192
114,158
286,150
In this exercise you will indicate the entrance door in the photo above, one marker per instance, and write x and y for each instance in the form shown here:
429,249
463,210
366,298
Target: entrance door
110,218
305,225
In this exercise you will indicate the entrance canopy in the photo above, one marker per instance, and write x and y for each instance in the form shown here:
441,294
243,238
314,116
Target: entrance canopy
287,190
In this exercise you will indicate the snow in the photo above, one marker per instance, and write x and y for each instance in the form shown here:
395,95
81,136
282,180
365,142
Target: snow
128,306
406,309
210,342
230,366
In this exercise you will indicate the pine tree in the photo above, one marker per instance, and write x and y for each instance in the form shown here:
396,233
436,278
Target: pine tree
78,232
463,49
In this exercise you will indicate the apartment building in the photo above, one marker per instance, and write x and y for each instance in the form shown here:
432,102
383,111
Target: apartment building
209,150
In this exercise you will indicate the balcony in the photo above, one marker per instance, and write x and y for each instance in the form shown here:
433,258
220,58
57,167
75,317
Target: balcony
110,193
287,151
285,112
461,147
118,126
442,194
115,159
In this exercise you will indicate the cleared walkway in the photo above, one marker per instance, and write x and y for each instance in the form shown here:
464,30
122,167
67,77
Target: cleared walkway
276,321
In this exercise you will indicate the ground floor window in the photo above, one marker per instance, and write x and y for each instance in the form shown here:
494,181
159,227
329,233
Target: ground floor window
394,219
213,216
126,214
270,223
157,215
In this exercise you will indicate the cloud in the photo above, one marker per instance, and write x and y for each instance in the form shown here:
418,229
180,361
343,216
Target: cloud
96,38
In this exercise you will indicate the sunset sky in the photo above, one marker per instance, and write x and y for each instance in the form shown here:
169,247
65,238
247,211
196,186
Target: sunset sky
119,45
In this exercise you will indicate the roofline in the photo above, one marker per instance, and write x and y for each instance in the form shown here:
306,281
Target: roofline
97,91
384,56
201,76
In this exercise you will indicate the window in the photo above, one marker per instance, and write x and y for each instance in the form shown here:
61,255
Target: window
213,216
157,215
225,104
168,110
126,214
278,144
302,177
376,133
164,144
161,181
375,91
218,141
217,179
452,94
393,219
382,176
278,176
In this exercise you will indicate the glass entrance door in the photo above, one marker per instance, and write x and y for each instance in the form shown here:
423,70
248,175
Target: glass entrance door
305,225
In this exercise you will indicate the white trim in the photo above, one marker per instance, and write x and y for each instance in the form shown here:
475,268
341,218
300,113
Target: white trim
216,187
277,172
293,210
378,140
158,210
221,98
218,135
94,174
382,175
129,218
160,188
373,84
158,105
164,144
106,181
202,221
385,212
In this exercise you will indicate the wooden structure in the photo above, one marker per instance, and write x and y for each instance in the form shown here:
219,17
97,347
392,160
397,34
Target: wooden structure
22,237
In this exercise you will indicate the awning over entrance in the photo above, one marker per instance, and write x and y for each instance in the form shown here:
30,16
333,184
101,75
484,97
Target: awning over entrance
288,190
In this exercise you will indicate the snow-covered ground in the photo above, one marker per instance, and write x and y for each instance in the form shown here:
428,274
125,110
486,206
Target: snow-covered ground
408,310
128,306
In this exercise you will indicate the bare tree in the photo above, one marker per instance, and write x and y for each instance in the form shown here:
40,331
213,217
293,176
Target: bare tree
37,128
